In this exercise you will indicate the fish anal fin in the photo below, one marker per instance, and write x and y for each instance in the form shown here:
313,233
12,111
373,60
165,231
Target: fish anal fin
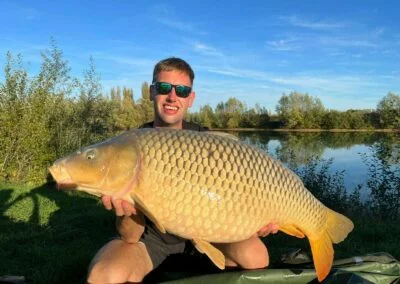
216,256
142,207
322,253
292,230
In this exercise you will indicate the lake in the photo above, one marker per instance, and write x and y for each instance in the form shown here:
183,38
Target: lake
346,149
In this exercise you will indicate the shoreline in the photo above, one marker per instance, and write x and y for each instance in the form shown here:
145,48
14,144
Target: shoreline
306,130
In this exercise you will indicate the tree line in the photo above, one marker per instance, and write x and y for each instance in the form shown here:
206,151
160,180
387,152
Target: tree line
300,111
50,114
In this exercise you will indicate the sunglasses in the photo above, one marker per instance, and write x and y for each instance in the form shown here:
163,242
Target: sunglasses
164,88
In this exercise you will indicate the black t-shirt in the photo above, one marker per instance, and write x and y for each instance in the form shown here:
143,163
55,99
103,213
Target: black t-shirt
169,238
185,125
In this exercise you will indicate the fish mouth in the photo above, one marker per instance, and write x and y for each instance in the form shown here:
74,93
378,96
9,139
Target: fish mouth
61,177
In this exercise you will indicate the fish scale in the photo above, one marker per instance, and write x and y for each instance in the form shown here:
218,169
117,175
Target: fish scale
245,181
205,187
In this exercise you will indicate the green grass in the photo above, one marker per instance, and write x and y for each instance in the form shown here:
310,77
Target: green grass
50,236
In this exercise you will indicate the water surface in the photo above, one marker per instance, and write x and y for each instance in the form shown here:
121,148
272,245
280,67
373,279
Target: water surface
346,149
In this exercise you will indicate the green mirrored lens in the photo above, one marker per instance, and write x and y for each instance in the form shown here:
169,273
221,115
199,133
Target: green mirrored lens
164,88
182,91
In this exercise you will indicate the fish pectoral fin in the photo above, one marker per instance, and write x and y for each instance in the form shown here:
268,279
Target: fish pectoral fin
142,207
128,198
216,256
292,230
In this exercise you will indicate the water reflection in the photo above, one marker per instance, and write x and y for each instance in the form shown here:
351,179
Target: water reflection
349,151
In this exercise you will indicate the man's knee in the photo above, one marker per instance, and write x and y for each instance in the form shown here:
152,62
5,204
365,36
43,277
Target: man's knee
119,262
248,254
101,273
254,259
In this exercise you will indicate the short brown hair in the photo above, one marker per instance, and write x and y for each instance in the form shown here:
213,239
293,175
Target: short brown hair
173,64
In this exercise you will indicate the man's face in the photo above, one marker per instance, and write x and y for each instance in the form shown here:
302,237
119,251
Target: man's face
170,109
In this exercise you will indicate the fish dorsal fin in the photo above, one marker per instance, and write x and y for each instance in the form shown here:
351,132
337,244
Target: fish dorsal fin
292,230
216,256
142,207
223,134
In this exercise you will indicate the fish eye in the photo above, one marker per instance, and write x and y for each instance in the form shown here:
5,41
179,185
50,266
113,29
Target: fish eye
90,155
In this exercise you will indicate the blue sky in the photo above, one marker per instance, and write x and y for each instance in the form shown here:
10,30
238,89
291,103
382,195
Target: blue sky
347,53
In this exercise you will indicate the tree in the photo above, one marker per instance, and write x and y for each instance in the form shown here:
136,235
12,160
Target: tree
32,110
389,111
116,97
298,110
12,108
206,116
255,117
129,115
51,90
54,73
229,114
145,106
331,119
92,112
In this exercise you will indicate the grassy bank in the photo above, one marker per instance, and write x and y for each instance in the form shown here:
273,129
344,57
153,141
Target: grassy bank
50,236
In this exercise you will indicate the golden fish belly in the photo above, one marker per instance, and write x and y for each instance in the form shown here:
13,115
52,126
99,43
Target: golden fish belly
220,190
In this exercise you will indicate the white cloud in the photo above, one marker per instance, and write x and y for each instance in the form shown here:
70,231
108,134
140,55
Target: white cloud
288,44
167,16
227,72
206,49
17,10
303,23
379,31
182,26
132,61
346,42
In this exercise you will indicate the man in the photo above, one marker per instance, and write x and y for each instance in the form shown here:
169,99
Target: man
127,259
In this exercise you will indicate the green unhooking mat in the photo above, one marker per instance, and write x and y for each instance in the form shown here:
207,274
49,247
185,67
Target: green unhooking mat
298,268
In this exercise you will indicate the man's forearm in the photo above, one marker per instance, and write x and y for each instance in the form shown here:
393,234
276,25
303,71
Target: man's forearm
131,227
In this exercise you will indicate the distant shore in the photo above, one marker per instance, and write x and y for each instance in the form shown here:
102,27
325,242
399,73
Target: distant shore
305,130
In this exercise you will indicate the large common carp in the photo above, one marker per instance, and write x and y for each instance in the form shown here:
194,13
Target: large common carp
204,187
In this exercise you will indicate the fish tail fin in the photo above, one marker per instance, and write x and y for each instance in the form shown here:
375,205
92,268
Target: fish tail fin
322,253
337,228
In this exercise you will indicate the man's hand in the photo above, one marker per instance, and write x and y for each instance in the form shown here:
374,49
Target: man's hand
130,228
270,228
122,207
130,223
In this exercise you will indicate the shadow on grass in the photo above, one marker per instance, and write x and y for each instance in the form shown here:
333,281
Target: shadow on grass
50,236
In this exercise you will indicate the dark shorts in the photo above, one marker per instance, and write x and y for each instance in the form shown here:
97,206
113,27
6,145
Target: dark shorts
160,246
